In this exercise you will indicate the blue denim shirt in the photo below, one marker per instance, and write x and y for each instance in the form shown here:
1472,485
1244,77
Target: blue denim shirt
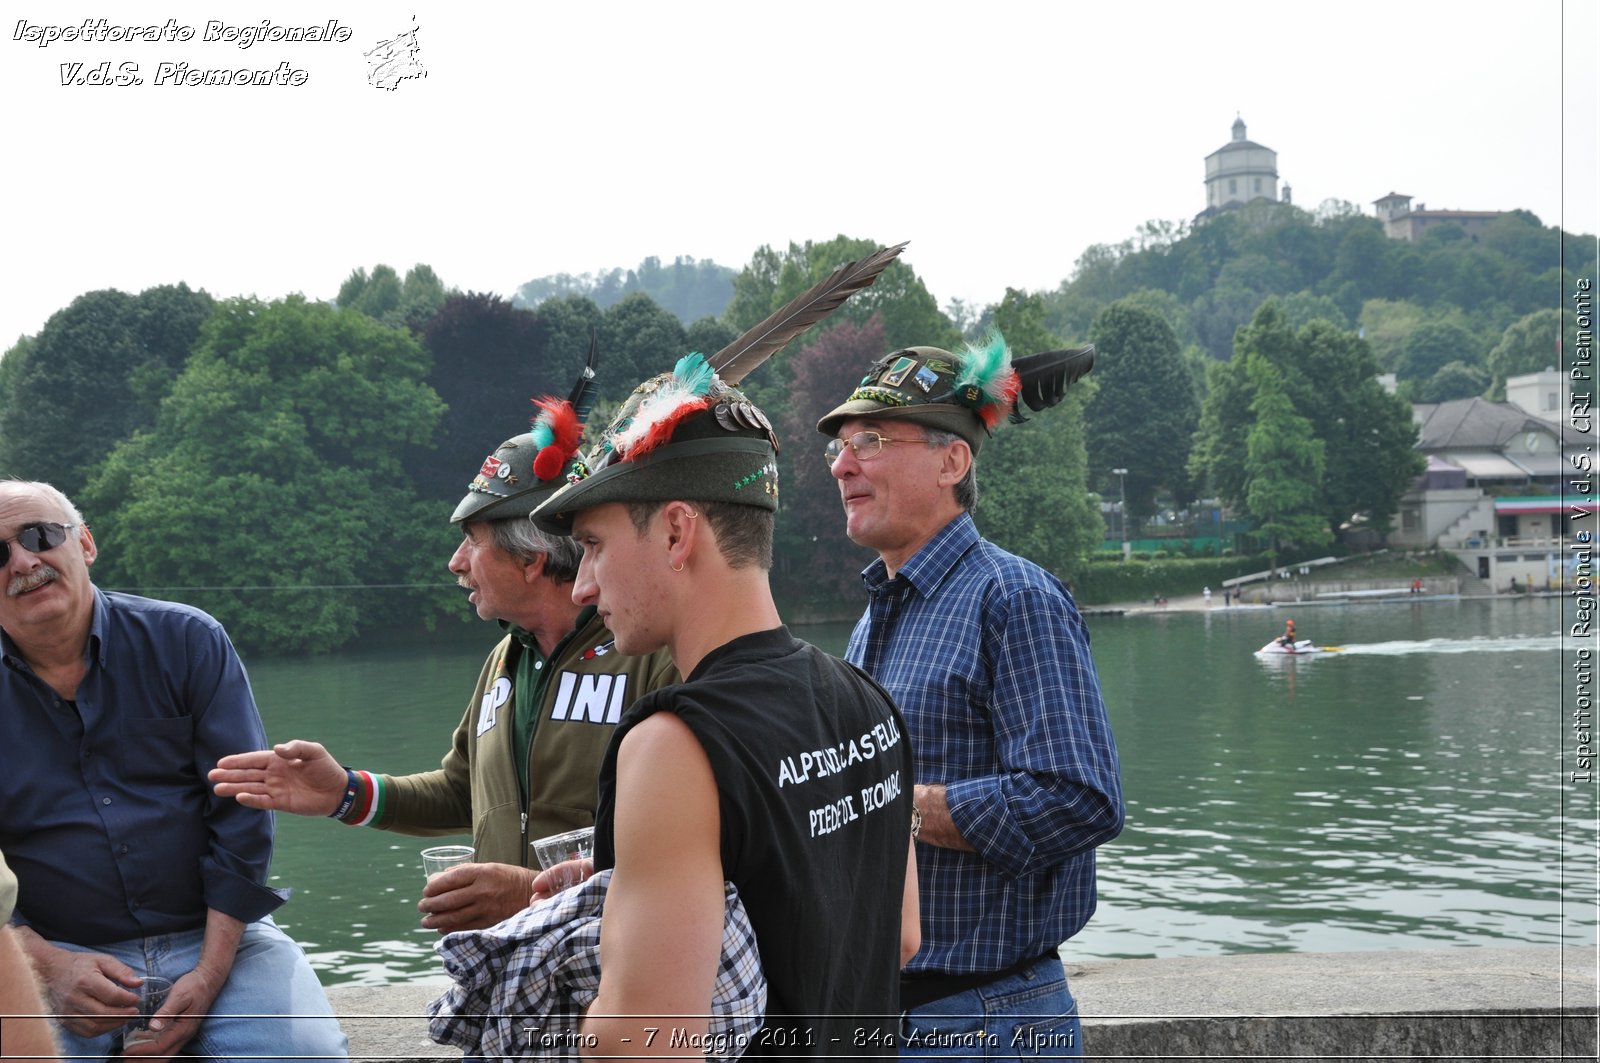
105,812
988,659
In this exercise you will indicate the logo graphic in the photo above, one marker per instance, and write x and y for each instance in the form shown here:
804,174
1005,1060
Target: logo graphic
489,707
899,371
590,698
395,60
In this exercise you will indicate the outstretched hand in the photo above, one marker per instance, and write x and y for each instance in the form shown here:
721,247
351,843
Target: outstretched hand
298,776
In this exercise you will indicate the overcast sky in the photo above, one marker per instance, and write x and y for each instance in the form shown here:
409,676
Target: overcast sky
1001,138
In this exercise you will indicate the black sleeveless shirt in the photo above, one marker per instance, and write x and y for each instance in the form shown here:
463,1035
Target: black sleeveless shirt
813,773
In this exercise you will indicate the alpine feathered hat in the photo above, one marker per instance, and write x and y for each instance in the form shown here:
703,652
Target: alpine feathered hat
690,433
966,393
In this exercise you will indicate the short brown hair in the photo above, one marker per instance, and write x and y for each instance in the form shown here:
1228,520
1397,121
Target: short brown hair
743,533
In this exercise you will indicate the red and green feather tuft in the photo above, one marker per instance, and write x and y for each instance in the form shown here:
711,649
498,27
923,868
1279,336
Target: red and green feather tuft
557,432
988,368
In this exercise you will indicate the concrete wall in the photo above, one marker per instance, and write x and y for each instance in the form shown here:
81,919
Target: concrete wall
1526,1002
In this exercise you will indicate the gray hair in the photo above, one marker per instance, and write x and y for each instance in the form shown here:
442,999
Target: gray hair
518,537
51,492
967,489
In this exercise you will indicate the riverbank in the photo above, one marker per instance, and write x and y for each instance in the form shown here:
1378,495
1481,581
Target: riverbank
1197,603
1520,1002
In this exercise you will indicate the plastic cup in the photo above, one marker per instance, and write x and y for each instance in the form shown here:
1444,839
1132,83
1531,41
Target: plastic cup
152,994
559,848
441,857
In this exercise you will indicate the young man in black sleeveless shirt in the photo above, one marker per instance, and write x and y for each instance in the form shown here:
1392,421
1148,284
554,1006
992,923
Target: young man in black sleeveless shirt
773,766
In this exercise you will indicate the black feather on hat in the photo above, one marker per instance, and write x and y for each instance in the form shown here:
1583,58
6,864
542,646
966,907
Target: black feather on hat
690,433
525,469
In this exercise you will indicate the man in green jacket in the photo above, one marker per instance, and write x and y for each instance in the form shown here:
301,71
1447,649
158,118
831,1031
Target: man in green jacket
523,760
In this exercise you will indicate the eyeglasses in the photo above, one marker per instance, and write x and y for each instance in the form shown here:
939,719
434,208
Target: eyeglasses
36,538
864,446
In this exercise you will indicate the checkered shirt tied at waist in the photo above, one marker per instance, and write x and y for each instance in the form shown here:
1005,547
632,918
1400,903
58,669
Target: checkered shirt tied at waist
522,986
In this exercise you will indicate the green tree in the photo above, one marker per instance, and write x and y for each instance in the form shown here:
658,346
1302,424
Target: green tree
1169,307
708,335
422,295
1330,379
909,313
1454,380
1254,272
1144,411
1456,271
384,297
1219,314
92,377
489,361
1366,259
1385,324
1433,346
687,289
1041,466
1522,238
1284,464
270,490
1532,343
565,325
814,561
897,298
1217,457
1070,312
376,294
638,339
1369,434
10,362
1301,308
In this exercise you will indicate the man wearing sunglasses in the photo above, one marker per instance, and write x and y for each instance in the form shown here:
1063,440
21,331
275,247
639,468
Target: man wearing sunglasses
115,707
523,759
986,655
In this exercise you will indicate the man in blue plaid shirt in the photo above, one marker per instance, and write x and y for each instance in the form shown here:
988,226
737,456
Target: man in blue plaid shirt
988,659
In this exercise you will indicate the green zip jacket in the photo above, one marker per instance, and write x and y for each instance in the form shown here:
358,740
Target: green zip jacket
476,786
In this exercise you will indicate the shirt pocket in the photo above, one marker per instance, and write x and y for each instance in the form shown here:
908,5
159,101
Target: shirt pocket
158,750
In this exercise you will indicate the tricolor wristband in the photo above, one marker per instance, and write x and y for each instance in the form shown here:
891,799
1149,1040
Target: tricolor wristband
368,806
352,790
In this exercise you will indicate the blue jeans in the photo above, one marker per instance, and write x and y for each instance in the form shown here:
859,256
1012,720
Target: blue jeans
272,1005
1030,1015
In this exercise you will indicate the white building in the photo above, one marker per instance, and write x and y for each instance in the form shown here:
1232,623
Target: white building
1240,172
1497,490
1547,394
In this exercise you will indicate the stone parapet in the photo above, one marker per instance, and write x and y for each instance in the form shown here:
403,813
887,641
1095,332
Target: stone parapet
1527,1002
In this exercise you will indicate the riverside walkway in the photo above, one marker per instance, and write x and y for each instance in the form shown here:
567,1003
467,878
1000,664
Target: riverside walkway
1522,1002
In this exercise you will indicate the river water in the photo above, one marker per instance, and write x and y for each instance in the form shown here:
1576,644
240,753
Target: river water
1409,791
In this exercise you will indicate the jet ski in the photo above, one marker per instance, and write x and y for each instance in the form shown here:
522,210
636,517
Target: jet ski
1300,648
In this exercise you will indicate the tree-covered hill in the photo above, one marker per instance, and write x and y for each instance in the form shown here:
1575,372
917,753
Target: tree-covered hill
1433,310
687,289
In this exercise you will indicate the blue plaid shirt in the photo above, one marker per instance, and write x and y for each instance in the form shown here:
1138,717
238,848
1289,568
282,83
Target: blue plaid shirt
988,659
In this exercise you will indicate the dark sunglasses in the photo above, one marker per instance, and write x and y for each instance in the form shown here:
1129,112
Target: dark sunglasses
36,538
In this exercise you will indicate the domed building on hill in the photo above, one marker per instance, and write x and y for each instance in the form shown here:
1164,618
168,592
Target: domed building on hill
1240,172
